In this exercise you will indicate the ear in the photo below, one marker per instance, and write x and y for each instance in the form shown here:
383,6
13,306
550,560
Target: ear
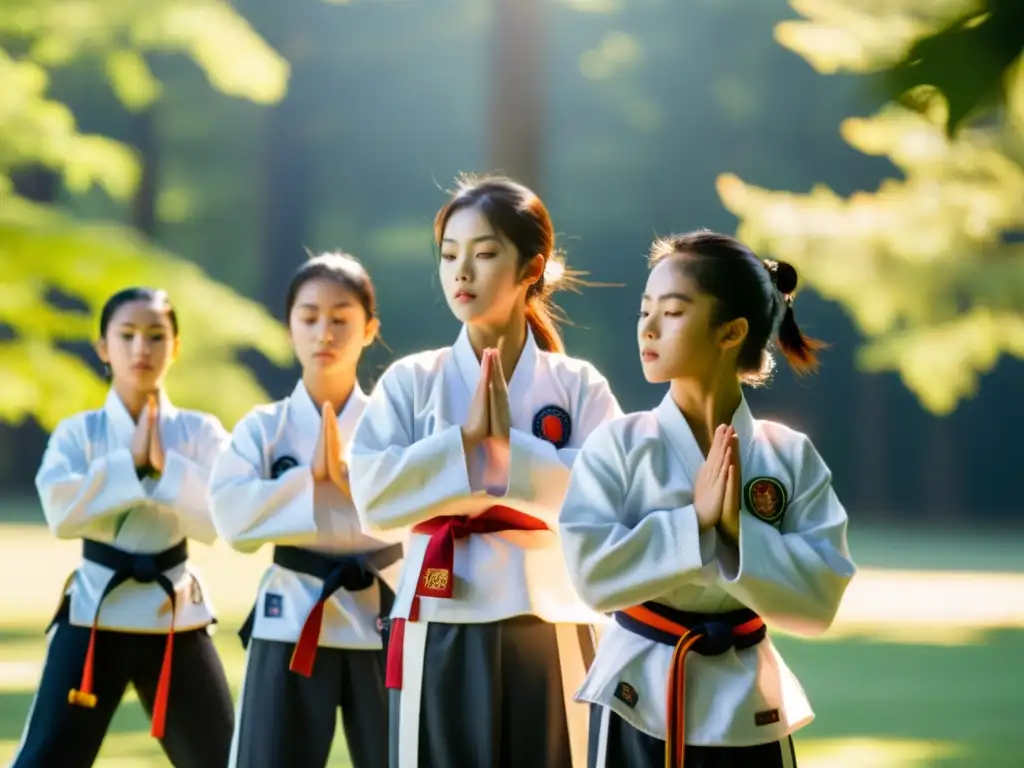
371,332
732,333
533,270
100,345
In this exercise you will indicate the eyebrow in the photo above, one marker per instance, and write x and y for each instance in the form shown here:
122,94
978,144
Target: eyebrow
340,305
127,325
481,239
667,296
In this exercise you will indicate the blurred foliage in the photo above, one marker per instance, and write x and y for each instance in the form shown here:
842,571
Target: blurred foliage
923,264
44,250
961,47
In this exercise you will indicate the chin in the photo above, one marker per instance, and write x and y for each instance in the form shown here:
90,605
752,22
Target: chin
464,313
655,375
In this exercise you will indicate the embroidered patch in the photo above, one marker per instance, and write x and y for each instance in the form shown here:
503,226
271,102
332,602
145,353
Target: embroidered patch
627,694
273,605
553,424
767,717
436,579
196,592
766,498
281,466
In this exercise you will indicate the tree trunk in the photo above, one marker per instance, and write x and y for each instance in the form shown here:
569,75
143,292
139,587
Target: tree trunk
144,137
517,96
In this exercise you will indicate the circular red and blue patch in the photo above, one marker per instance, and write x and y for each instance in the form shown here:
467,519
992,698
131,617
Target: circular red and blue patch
553,424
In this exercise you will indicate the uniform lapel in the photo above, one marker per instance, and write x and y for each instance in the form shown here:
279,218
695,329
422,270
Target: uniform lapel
120,424
684,444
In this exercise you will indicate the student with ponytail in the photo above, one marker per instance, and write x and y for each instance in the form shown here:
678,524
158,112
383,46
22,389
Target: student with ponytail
468,448
698,526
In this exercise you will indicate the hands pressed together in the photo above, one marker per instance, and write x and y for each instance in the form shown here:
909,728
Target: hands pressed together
489,419
716,495
147,451
328,464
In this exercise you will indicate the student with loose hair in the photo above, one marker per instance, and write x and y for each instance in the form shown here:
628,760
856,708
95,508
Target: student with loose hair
468,449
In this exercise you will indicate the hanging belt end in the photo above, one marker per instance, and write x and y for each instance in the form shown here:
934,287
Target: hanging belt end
82,698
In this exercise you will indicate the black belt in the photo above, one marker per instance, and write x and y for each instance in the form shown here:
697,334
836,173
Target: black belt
135,566
352,573
145,569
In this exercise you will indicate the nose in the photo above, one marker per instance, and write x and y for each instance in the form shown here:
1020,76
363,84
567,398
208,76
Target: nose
140,346
648,328
463,270
325,333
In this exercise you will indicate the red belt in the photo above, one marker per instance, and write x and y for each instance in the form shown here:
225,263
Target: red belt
707,634
436,577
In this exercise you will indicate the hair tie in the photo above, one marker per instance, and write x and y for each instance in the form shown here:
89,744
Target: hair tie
783,277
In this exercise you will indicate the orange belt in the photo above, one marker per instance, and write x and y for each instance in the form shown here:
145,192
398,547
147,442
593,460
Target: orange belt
436,578
707,634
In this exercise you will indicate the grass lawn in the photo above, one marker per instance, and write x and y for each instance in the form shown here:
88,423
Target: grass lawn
922,668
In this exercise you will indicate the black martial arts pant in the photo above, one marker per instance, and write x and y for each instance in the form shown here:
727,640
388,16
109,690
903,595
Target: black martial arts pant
626,747
491,696
200,717
287,719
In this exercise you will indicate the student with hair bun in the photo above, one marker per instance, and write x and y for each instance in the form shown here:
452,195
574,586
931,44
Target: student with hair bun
698,526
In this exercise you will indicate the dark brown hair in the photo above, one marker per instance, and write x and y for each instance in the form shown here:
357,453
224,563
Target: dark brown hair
127,296
743,285
338,267
518,214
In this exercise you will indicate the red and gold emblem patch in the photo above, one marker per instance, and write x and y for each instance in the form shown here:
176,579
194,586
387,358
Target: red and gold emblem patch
766,499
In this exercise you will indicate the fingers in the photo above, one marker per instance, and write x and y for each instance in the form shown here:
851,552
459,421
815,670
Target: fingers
723,469
486,360
716,454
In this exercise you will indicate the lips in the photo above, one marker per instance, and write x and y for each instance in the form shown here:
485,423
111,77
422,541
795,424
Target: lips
142,367
464,296
648,355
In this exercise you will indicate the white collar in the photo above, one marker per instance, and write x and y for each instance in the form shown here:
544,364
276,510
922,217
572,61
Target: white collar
469,366
684,444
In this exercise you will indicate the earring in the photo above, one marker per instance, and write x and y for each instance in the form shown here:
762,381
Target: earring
106,371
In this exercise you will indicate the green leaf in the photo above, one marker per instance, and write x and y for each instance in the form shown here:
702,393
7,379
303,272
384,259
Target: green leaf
41,249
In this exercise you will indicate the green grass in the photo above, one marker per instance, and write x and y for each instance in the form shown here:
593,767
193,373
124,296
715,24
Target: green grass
942,700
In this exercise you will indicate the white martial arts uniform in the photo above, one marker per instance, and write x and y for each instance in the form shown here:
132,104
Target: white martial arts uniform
408,466
263,492
90,489
629,533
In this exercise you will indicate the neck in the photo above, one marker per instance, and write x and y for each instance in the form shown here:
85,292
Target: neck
706,404
133,399
335,389
509,339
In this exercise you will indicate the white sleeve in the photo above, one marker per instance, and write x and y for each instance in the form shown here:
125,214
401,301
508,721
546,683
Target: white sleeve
538,473
77,494
184,484
399,481
248,510
613,565
794,578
